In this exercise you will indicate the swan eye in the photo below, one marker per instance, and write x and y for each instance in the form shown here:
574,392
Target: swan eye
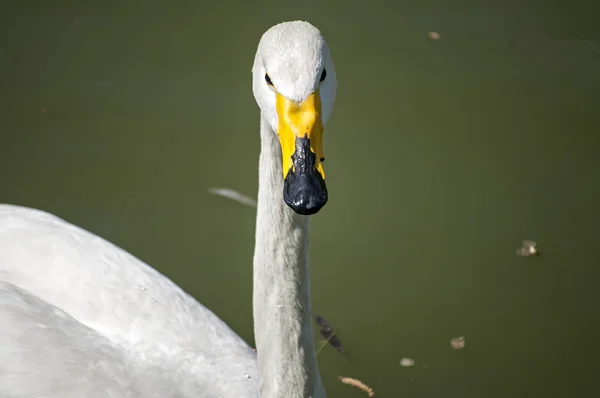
268,80
323,75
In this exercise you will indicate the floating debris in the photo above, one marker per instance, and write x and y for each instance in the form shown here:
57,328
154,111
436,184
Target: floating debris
329,334
529,248
434,35
233,195
458,342
358,384
407,362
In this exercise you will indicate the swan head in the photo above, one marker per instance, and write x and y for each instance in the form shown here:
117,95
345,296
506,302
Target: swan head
294,85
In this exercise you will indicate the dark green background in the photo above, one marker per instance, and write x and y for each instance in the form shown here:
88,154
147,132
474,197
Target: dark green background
442,155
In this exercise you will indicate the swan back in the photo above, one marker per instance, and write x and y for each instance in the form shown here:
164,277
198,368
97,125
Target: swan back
65,289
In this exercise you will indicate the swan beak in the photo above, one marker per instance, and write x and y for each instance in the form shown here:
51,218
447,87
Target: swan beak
300,131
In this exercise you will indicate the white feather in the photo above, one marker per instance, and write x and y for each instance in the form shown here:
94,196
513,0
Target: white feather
233,195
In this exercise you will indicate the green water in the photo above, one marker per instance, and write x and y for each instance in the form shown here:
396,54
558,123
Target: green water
442,155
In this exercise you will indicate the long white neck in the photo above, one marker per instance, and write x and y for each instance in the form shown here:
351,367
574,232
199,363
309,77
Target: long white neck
282,309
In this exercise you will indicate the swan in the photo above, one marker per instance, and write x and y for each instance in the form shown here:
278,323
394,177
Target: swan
80,317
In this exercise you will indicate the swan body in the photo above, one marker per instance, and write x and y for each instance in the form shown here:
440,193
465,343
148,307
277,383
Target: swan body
80,317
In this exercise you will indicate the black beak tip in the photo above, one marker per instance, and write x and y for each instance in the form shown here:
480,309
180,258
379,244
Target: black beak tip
306,202
304,189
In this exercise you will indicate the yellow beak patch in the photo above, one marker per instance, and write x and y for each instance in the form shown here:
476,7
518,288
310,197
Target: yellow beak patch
300,121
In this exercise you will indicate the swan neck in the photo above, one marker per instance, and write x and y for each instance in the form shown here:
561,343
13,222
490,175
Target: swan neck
282,308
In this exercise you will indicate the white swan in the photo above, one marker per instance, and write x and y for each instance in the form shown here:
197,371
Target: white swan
80,317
